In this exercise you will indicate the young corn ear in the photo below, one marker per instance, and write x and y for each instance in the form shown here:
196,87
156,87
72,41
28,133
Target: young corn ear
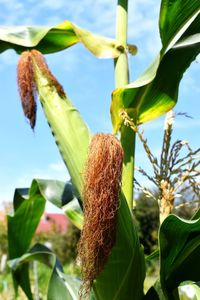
27,82
102,179
71,133
26,85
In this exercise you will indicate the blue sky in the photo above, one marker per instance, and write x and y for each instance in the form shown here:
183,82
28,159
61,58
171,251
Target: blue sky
87,81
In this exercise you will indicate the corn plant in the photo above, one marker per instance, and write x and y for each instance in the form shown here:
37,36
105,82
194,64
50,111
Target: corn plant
175,173
99,197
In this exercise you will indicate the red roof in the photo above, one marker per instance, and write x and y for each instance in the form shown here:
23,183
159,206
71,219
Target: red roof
2,216
52,221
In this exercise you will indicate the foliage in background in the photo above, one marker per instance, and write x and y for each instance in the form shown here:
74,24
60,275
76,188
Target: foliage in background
147,215
3,238
64,245
146,212
175,172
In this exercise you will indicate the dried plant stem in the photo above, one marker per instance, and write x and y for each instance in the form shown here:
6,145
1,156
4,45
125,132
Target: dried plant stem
187,204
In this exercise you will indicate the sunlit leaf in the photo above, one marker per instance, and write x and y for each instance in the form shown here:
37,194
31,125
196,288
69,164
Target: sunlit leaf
53,39
155,292
156,91
197,290
189,286
74,213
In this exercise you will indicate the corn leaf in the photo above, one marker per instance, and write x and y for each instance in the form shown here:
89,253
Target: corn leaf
29,206
126,257
124,272
61,286
175,18
179,251
196,215
54,39
74,213
71,134
197,290
21,227
156,91
62,195
155,292
57,192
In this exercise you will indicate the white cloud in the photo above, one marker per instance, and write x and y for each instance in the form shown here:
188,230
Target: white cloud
59,167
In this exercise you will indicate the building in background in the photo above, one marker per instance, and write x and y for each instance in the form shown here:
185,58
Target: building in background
53,221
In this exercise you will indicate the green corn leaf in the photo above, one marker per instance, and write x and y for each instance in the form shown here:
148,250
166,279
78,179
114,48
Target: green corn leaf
20,195
155,292
54,39
175,17
55,191
126,257
21,227
62,195
29,206
156,91
70,131
74,213
124,272
195,287
154,254
196,215
61,286
197,290
179,251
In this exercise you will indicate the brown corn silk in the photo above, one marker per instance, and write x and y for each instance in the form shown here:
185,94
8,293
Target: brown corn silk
26,85
102,178
26,79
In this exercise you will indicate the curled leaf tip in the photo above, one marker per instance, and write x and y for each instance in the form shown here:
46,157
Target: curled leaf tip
102,178
132,49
